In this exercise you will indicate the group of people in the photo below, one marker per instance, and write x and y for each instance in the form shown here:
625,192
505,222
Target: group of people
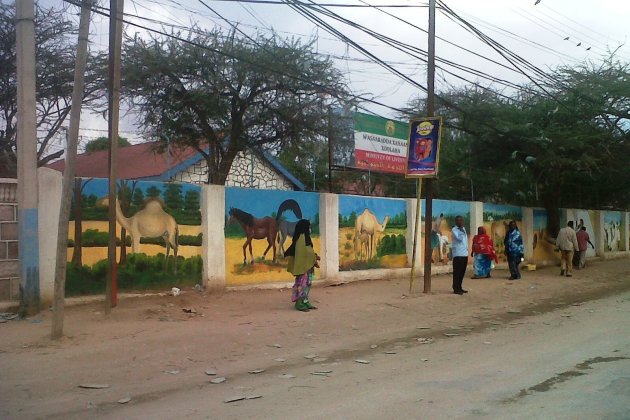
570,241
303,260
483,253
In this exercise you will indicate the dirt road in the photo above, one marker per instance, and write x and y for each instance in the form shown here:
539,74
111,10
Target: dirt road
550,336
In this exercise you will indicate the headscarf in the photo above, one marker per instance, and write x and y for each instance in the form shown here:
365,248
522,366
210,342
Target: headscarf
514,241
301,254
302,227
482,244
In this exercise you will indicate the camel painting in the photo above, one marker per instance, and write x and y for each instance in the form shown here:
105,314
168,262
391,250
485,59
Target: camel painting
368,224
151,222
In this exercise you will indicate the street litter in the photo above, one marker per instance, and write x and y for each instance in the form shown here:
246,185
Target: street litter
218,380
175,291
363,362
94,386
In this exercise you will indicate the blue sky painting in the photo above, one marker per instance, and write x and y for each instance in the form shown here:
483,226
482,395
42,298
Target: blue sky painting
261,203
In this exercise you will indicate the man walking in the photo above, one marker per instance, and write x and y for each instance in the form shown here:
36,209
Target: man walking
583,240
459,249
567,243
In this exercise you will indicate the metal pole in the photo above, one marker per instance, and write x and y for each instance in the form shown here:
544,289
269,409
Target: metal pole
416,229
115,39
27,158
428,217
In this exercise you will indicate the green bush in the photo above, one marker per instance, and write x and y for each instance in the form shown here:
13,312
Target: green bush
140,272
391,245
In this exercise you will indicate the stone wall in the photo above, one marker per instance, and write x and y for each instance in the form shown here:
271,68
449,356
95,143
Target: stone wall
9,263
248,171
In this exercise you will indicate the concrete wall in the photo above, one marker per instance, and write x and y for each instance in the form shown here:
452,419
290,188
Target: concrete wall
50,182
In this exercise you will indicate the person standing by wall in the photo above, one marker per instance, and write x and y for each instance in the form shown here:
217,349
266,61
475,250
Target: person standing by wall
583,241
567,243
460,255
302,263
483,254
514,249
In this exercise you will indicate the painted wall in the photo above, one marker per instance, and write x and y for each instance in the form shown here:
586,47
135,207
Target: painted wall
588,218
613,231
273,215
543,243
372,233
162,212
443,220
495,219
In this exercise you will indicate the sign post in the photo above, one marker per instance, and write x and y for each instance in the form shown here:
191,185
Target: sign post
423,157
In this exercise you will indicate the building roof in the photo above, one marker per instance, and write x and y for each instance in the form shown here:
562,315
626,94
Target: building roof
142,161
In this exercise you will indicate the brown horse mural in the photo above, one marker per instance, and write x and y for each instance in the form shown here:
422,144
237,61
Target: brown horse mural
262,228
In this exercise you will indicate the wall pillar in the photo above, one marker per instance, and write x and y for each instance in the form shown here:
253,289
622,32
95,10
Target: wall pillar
411,220
50,184
329,236
527,231
600,236
476,217
626,235
213,243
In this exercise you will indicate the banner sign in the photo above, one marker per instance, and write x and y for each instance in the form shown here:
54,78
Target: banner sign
423,151
380,145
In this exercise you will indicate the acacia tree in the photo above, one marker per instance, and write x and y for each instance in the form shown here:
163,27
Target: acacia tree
563,150
55,38
221,95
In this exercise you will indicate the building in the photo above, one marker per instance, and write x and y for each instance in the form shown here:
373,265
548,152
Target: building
251,169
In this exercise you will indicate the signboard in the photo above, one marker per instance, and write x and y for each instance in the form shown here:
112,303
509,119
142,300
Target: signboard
423,151
380,145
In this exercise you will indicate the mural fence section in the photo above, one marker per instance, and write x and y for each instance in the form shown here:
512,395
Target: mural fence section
158,235
174,234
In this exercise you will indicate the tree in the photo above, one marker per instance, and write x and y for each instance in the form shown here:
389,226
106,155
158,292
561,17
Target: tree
173,198
153,192
191,201
559,148
55,58
102,143
138,198
221,95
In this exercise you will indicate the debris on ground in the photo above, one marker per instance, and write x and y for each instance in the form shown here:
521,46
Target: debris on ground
94,386
425,340
211,372
124,400
362,361
218,380
175,291
255,371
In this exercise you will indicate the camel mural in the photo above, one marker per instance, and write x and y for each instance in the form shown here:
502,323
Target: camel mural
367,223
151,222
372,233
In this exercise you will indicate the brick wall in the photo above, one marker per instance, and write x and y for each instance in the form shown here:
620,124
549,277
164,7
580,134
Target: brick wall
9,263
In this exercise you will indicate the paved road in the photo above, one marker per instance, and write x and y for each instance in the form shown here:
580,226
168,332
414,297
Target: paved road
573,363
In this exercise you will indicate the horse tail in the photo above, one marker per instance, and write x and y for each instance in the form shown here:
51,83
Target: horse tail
289,204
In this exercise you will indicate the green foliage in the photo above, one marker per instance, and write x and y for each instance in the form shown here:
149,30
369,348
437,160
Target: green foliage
398,220
347,245
191,201
391,245
348,221
187,240
173,198
138,198
95,238
102,143
153,192
187,95
141,272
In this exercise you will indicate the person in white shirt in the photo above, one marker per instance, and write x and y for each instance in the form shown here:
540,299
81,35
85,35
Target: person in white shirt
459,248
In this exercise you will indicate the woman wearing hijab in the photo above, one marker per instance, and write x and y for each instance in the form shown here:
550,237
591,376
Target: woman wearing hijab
302,263
483,253
514,249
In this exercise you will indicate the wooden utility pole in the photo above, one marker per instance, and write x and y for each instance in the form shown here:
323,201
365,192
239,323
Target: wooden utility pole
428,215
72,136
27,158
115,40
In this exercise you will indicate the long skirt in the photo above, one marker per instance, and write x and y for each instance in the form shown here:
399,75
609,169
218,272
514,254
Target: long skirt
302,286
482,265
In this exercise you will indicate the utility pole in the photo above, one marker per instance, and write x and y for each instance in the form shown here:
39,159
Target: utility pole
428,216
115,40
72,137
330,148
27,158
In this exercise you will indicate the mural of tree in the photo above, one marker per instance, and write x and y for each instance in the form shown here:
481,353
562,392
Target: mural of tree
173,197
153,192
138,198
191,201
126,191
77,255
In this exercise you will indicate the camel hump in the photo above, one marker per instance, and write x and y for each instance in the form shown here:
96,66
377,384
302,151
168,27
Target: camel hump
153,204
289,204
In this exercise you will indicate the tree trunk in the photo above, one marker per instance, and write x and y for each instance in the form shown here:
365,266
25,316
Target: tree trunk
68,173
123,246
551,202
77,254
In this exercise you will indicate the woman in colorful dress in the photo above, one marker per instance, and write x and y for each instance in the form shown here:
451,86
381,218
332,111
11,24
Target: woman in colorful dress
514,249
302,263
483,253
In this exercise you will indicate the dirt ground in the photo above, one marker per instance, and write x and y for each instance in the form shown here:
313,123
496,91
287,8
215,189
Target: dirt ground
149,347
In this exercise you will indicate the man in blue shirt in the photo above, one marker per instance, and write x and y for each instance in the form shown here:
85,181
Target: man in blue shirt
459,248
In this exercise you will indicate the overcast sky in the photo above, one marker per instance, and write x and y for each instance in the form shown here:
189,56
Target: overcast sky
535,32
